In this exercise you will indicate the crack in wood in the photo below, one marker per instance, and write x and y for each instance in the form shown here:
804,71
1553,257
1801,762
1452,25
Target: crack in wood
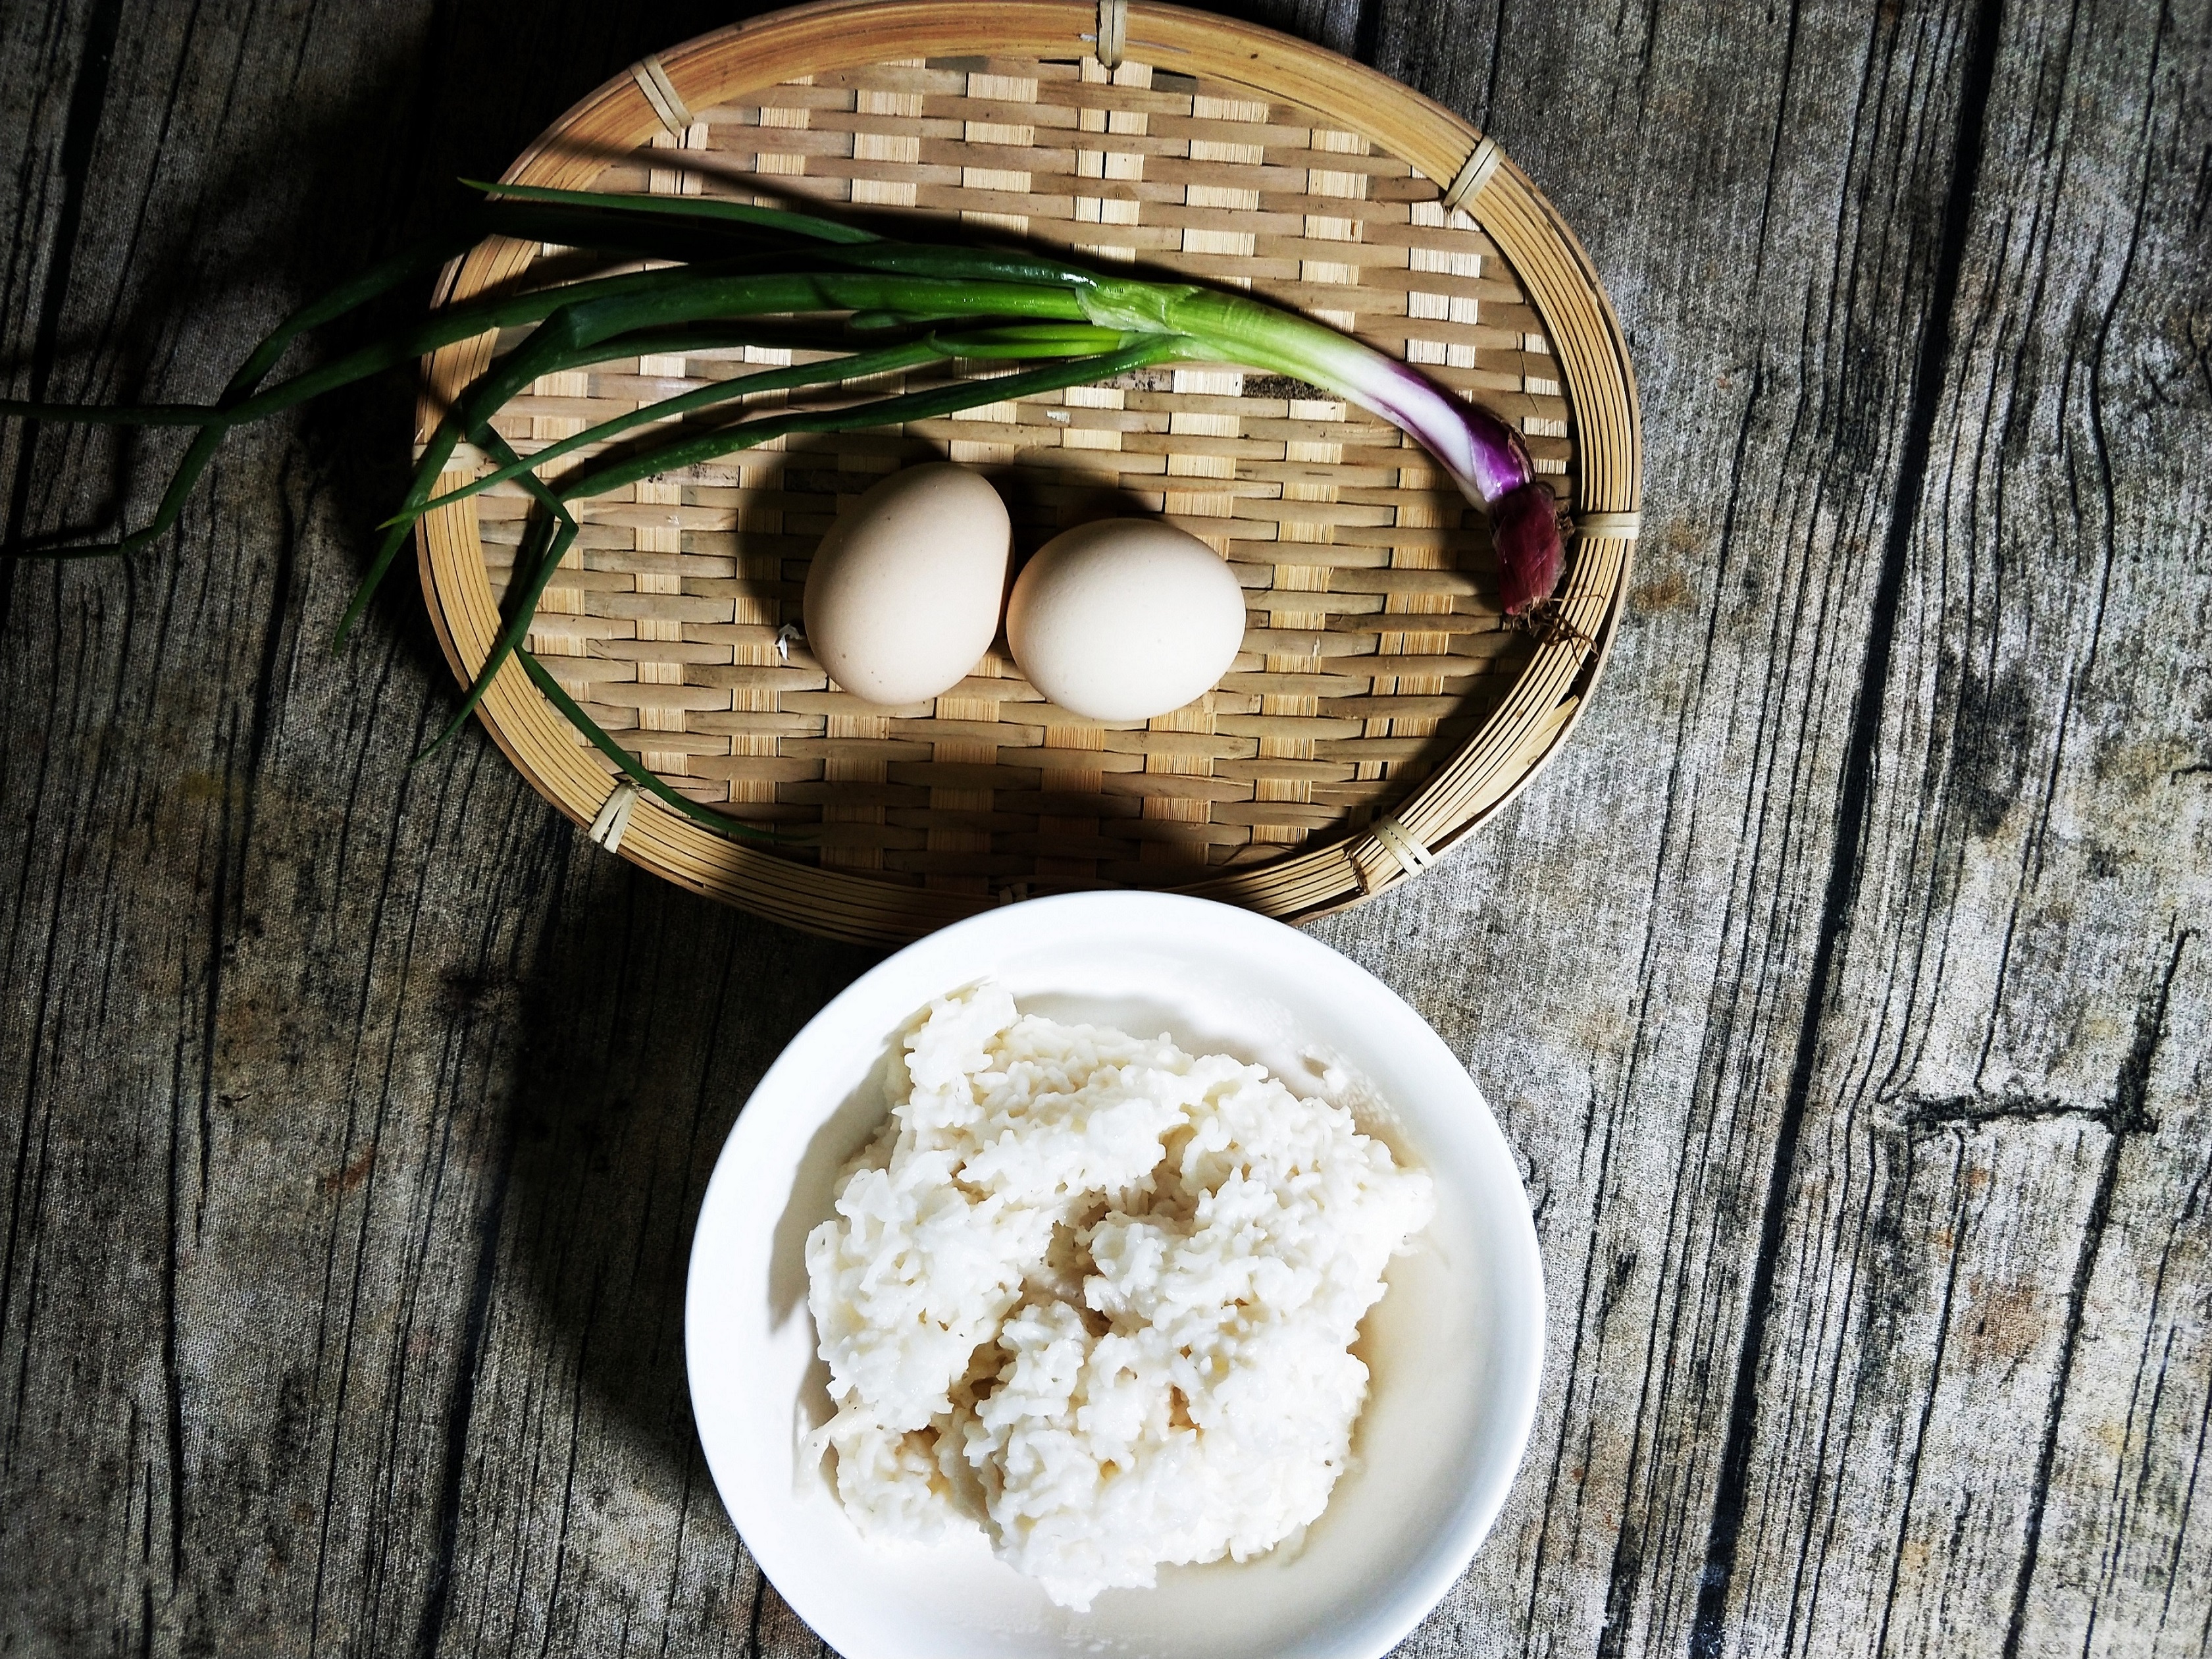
1939,1111
2131,1092
79,132
460,1409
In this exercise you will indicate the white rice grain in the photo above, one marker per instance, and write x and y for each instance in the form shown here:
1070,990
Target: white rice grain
1098,1295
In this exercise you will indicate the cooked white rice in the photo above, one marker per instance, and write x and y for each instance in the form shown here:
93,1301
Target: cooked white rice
1098,1295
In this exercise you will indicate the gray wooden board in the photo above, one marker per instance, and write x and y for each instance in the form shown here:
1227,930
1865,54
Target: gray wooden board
1843,987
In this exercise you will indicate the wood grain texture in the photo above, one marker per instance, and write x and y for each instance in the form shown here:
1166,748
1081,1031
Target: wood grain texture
1843,985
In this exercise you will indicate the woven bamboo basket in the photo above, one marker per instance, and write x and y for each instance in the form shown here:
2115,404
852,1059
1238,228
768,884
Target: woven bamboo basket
1380,708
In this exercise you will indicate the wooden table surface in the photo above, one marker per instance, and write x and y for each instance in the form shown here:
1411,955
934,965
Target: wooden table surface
1842,987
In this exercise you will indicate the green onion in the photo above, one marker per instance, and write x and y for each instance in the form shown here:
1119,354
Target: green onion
730,274
646,779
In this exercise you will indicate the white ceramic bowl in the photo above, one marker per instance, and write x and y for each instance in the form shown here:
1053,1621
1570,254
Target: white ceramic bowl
1455,1347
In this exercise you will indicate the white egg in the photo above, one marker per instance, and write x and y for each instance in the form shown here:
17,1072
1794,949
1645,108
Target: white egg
903,594
1125,619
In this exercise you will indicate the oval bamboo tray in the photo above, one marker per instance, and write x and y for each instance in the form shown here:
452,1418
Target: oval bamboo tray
1380,710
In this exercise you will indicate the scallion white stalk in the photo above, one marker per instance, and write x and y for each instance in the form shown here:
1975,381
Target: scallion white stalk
1484,456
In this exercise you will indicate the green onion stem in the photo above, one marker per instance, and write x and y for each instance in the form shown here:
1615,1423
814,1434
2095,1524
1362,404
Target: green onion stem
687,207
434,455
934,281
525,588
472,418
443,442
1041,340
645,298
858,366
639,774
630,236
910,405
349,296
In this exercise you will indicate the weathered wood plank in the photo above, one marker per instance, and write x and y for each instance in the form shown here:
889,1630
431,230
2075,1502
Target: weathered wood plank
1996,1032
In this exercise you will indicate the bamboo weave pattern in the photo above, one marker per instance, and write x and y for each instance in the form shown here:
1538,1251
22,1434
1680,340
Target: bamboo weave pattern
1372,638
1373,656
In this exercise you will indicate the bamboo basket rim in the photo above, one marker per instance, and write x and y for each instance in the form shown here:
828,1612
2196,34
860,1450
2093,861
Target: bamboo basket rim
1501,757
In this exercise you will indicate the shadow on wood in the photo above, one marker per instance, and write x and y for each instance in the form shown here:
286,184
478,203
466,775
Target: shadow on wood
651,1018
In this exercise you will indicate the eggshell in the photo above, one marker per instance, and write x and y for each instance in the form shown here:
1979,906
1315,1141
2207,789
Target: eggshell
1125,619
902,597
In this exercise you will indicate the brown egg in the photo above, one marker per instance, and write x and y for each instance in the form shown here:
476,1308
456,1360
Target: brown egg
902,597
1125,619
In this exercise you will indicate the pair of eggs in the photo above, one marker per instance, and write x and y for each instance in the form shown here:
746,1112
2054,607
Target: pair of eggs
1120,619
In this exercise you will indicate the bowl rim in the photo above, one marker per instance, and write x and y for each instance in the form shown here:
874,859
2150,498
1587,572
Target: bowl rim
1521,1281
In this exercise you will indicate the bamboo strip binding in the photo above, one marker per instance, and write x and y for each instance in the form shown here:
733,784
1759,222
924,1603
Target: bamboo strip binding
1113,31
1474,177
660,92
1233,165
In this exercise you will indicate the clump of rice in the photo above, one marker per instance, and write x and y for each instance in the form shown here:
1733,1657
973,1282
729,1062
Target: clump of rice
1098,1295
